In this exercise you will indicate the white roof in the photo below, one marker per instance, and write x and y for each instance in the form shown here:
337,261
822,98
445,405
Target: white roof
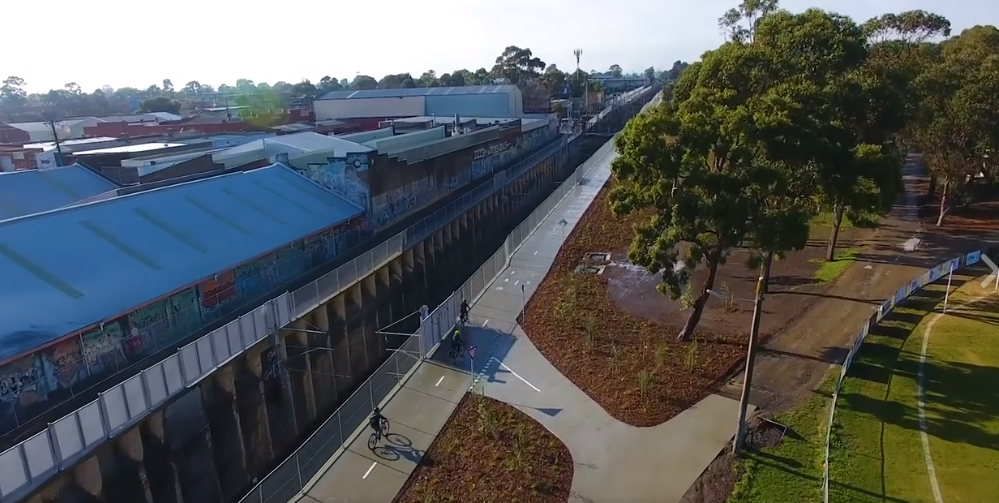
299,144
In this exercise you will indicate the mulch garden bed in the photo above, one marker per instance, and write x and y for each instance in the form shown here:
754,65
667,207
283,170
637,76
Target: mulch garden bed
614,335
490,452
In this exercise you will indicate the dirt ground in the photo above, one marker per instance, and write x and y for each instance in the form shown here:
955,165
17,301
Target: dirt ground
490,452
793,362
591,326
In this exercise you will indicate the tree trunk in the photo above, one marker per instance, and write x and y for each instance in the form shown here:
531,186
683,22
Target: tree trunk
768,262
834,236
695,316
944,201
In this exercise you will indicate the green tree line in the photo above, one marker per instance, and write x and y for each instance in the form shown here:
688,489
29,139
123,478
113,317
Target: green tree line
798,114
515,65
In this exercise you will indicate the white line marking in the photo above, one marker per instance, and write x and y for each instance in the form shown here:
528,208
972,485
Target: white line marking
484,323
515,283
922,414
535,252
517,376
924,437
439,381
369,470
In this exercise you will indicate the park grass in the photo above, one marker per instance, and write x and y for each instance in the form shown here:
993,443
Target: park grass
876,451
829,271
791,471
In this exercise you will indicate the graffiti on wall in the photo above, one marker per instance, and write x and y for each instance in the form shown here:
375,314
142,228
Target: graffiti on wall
344,176
31,384
391,206
490,159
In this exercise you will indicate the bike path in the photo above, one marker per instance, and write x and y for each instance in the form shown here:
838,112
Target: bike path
613,461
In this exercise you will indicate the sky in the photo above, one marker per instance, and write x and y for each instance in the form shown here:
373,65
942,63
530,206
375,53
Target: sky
125,43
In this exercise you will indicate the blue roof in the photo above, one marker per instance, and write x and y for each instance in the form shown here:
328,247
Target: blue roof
27,192
71,268
419,91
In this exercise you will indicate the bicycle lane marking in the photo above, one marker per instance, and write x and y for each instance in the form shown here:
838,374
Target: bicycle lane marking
372,467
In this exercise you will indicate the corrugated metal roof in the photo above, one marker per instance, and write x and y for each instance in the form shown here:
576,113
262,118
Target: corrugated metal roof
68,269
27,192
419,91
297,144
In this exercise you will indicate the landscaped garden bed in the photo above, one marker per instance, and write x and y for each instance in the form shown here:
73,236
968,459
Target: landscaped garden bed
490,452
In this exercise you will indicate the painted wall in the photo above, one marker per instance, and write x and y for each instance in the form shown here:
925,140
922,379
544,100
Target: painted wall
346,176
33,384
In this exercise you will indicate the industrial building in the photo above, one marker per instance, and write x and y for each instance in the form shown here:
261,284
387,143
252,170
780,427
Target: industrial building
470,101
29,192
65,129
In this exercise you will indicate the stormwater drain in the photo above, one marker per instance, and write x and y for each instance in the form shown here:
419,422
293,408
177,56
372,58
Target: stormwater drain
597,257
590,269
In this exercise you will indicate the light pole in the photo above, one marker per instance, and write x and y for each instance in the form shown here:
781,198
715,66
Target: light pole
747,380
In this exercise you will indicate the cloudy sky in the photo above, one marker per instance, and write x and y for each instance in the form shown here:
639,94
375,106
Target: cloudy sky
127,43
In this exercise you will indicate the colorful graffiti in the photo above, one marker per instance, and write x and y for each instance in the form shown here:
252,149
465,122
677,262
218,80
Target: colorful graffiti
490,159
33,383
391,206
345,176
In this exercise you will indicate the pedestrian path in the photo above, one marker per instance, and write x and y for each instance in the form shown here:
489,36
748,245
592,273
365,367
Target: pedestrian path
614,461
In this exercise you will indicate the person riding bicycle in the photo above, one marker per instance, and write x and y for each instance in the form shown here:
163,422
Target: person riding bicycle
464,311
376,421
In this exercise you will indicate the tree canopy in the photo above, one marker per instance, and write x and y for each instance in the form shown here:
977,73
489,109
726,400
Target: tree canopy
515,65
796,114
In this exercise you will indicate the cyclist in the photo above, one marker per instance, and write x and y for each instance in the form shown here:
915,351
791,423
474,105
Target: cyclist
456,344
376,421
464,311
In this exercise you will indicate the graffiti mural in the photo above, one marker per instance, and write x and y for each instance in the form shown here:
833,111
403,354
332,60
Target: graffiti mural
391,206
216,295
292,261
145,326
64,365
184,311
346,177
103,349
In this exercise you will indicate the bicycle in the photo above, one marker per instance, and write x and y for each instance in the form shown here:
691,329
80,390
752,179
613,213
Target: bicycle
455,353
376,436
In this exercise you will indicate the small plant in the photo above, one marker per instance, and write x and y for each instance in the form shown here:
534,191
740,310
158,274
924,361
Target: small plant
614,356
488,423
662,356
590,332
644,382
692,354
728,302
687,298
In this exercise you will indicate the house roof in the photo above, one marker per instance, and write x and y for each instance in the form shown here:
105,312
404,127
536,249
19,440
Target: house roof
68,269
27,192
419,91
297,144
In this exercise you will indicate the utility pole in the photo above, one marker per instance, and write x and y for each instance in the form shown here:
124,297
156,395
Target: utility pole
55,137
747,380
586,92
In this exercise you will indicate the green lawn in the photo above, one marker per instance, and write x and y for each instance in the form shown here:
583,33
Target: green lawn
877,452
792,471
829,271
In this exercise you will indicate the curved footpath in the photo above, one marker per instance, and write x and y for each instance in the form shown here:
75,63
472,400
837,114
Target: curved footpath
614,462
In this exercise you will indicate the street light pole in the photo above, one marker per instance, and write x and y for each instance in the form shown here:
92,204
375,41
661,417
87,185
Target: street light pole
747,380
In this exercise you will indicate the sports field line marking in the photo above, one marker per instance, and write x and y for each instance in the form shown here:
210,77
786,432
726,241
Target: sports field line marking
924,437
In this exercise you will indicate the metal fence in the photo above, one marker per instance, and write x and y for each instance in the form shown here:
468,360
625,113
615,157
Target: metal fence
67,440
291,476
928,277
441,322
31,462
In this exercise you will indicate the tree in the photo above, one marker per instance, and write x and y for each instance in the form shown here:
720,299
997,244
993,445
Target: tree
429,79
160,104
516,64
193,88
304,89
167,86
650,74
363,83
554,82
12,95
328,84
739,23
957,124
615,71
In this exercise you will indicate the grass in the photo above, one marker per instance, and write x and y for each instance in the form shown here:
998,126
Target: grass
829,271
826,219
791,471
877,452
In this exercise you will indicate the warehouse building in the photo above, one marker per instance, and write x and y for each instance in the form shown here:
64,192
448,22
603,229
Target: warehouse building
380,104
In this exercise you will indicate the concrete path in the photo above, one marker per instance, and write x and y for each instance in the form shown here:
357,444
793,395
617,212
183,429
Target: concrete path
614,462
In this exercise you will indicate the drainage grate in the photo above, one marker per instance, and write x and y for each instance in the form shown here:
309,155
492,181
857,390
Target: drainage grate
597,257
590,269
